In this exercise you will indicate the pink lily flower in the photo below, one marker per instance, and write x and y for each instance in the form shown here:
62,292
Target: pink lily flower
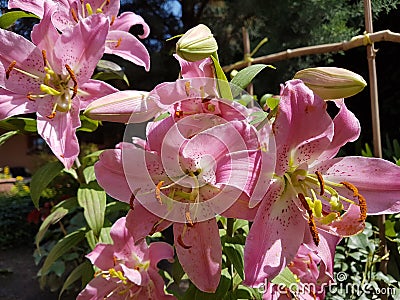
201,161
51,77
132,106
128,269
119,41
312,191
313,268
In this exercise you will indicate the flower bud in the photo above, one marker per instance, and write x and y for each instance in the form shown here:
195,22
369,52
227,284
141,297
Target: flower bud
123,107
196,44
331,83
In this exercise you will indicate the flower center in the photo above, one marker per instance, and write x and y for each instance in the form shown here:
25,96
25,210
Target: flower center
321,200
52,84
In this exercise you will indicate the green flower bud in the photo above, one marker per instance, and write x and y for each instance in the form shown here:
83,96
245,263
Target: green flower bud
196,44
331,83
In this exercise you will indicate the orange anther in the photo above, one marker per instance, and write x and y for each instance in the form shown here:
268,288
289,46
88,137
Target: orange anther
73,78
9,69
321,182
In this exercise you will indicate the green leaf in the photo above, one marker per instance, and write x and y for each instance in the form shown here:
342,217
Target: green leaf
177,271
91,239
244,77
222,83
23,125
234,252
53,218
93,200
286,278
9,18
162,116
6,136
105,236
108,70
87,124
89,174
244,292
42,178
367,152
76,274
116,206
62,247
258,117
241,224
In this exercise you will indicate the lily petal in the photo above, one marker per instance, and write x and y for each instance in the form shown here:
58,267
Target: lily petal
375,179
128,19
274,238
202,261
127,46
12,104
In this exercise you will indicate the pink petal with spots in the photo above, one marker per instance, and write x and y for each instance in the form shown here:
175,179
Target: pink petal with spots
127,46
274,238
33,6
298,113
347,129
376,179
128,19
14,104
159,251
349,223
59,134
27,57
92,90
200,253
141,222
82,46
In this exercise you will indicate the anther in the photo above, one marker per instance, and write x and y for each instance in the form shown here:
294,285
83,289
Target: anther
321,182
304,203
9,69
112,20
131,199
158,191
118,43
29,96
350,187
181,243
189,219
52,115
73,78
187,88
74,16
313,229
363,208
44,57
178,113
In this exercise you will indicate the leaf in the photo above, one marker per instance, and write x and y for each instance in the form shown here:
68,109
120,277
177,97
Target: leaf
89,175
87,124
286,278
222,83
162,116
8,19
91,239
6,136
234,252
93,200
105,236
177,271
76,274
108,70
23,125
62,246
244,77
42,178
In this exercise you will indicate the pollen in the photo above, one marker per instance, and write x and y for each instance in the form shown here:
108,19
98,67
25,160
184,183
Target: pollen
187,88
178,113
44,55
350,187
112,20
118,43
363,208
181,243
131,199
73,78
30,97
74,16
10,68
311,221
321,182
158,191
52,115
189,219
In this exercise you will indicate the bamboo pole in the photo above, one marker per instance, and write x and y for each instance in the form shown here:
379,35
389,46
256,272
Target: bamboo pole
247,51
357,41
376,132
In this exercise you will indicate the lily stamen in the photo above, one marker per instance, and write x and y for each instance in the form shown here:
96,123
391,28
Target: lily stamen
158,191
74,80
181,243
45,62
112,20
10,68
321,182
74,15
